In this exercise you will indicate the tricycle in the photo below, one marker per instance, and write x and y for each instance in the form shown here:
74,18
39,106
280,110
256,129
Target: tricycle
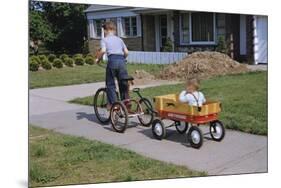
119,114
187,118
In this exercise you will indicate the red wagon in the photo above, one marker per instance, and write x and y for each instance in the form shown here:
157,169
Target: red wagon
187,119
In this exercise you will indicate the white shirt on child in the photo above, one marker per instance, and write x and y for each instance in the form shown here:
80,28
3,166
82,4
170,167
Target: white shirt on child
189,98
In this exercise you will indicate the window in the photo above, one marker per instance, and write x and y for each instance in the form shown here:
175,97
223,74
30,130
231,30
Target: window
202,25
163,30
98,27
185,28
197,28
130,26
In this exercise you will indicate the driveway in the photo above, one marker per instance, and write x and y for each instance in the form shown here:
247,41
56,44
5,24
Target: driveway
237,153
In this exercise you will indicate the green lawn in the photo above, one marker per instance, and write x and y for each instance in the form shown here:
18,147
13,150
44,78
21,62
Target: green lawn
79,75
243,97
57,159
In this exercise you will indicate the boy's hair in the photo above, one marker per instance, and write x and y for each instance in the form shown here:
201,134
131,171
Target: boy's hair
109,25
193,82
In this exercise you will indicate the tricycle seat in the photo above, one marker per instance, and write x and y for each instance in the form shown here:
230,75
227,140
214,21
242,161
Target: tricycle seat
128,78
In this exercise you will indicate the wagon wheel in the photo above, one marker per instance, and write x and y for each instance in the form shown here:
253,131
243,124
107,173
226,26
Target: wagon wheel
119,117
195,137
100,102
158,129
148,116
217,130
181,126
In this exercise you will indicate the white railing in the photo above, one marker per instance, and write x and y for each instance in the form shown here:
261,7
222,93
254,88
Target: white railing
142,57
155,57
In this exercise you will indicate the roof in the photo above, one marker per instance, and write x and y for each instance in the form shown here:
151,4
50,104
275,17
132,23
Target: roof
96,8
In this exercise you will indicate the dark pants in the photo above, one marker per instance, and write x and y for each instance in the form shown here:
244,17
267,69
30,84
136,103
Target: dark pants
116,68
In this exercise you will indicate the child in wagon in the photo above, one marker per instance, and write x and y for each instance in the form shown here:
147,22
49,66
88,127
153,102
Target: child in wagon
191,95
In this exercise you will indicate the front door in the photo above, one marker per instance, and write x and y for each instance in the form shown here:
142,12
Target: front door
163,31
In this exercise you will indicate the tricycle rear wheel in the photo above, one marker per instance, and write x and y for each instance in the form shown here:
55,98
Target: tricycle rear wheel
195,137
119,117
148,116
158,129
217,130
181,126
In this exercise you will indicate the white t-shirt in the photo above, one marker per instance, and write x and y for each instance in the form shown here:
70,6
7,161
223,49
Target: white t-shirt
194,99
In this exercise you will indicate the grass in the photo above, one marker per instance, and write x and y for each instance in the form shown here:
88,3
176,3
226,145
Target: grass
79,75
57,159
243,97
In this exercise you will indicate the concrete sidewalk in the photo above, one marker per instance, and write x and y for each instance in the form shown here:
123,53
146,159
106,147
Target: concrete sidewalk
237,153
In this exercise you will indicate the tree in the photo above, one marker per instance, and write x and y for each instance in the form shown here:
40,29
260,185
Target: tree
69,24
39,28
62,27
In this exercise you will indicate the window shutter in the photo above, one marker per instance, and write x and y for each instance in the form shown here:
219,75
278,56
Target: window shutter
138,18
91,29
120,27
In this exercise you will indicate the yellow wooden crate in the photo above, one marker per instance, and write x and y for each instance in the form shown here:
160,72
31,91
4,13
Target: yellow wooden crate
171,103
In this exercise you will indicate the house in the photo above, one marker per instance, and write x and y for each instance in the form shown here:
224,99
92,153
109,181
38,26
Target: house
149,30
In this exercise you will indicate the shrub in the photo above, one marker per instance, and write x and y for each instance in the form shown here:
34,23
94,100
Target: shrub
79,60
51,57
222,46
33,65
89,60
63,57
46,64
42,58
58,63
34,58
168,47
69,62
78,55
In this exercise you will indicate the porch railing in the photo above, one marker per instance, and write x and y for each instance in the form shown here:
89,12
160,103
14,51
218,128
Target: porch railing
143,57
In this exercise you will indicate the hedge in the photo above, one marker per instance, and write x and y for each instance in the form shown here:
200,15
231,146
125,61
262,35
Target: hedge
33,65
89,60
46,64
51,57
58,63
79,61
69,62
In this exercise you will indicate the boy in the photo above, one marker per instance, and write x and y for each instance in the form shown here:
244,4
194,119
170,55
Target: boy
191,95
116,51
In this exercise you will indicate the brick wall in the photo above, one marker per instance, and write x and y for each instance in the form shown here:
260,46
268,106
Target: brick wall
94,45
133,43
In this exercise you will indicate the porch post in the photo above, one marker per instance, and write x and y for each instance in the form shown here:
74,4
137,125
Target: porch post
157,34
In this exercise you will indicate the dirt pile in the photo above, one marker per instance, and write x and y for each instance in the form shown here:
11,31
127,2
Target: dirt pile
203,65
142,77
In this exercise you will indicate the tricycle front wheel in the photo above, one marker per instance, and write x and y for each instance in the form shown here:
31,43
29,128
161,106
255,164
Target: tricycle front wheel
217,130
158,129
195,137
